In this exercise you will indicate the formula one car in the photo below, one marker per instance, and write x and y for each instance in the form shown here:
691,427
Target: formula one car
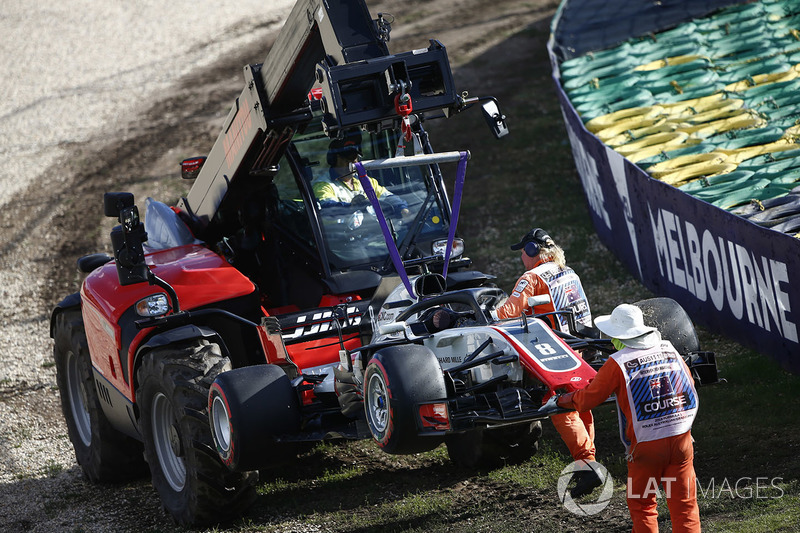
441,369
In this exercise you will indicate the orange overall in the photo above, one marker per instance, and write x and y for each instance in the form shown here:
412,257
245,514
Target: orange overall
661,466
576,430
565,290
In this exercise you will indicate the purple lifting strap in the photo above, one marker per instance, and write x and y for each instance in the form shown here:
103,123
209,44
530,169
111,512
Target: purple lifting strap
387,234
457,189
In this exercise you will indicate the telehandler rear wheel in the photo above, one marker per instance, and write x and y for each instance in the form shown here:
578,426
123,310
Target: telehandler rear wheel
105,454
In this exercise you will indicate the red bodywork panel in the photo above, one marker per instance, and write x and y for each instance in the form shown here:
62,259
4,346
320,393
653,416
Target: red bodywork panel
546,356
199,276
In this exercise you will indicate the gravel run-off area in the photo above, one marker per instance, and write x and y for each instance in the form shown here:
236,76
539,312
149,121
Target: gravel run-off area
76,72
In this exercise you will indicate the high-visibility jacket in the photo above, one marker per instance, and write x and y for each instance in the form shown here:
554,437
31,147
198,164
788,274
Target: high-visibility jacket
562,284
657,403
332,191
654,389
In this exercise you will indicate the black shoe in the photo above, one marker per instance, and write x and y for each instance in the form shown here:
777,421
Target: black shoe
586,482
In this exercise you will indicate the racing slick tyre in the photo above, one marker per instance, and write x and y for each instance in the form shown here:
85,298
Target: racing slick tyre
672,321
104,454
248,407
494,447
397,380
195,487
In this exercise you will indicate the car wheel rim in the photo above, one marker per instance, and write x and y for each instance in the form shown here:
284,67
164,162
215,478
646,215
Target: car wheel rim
167,443
77,400
221,424
377,403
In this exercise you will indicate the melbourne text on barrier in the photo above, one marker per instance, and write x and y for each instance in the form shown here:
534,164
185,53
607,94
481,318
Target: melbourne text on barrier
749,286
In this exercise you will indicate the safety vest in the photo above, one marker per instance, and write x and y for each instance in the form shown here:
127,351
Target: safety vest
660,391
566,292
330,189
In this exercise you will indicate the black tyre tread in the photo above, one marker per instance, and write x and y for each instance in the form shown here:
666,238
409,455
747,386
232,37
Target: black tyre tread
261,405
494,448
112,456
415,376
672,321
466,449
212,493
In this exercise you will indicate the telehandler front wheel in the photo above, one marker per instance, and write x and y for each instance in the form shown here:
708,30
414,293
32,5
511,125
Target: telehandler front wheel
194,486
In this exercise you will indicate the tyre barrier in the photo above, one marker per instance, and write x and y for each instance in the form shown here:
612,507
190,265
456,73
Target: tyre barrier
754,207
652,144
623,119
787,112
709,106
682,93
630,98
785,95
720,180
739,121
693,240
681,169
736,139
770,163
676,66
631,135
590,90
665,155
693,106
580,65
732,192
671,61
720,109
650,51
679,84
773,216
748,194
660,119
734,72
738,155
750,82
786,177
775,89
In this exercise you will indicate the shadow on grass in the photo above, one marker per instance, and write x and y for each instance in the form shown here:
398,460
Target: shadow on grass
348,476
357,488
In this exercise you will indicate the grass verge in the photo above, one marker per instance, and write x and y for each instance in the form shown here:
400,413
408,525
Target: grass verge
746,446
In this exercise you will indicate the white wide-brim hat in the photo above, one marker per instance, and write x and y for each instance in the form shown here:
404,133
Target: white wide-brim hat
625,322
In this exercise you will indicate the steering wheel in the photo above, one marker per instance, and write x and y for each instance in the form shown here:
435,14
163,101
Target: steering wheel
469,297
